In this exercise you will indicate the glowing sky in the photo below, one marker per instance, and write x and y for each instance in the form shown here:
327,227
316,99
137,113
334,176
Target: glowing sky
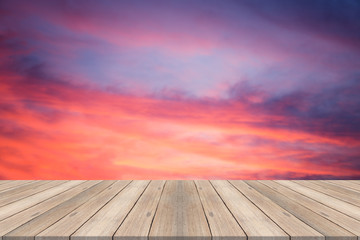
225,89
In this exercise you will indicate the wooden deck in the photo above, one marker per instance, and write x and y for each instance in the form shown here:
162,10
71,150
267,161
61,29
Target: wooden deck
196,210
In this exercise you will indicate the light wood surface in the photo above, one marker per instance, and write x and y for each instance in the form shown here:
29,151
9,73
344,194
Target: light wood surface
342,195
23,191
335,203
346,184
346,192
12,208
75,219
222,224
104,223
256,224
180,213
30,229
22,217
139,220
297,229
13,184
321,218
179,210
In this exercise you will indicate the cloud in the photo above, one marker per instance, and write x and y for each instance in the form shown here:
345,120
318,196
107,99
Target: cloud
58,123
335,20
105,135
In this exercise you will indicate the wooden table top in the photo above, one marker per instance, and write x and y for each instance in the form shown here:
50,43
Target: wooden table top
179,209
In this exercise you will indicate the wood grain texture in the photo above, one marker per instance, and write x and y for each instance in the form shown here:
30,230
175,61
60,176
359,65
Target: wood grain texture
180,214
23,191
345,184
254,222
316,215
4,181
62,229
137,224
341,206
105,222
174,210
14,184
222,223
342,220
30,229
354,181
20,188
355,200
15,207
297,229
342,190
19,219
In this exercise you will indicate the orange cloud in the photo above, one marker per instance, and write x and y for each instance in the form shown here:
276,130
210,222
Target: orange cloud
80,133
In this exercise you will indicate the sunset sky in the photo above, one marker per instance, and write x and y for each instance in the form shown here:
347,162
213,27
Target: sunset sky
180,89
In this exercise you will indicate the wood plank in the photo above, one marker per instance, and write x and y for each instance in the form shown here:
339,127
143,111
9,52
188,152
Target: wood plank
9,224
104,223
223,210
180,214
4,181
136,225
18,206
355,200
21,188
345,184
343,190
316,215
14,184
222,223
27,190
29,230
297,229
354,181
253,221
341,206
62,229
